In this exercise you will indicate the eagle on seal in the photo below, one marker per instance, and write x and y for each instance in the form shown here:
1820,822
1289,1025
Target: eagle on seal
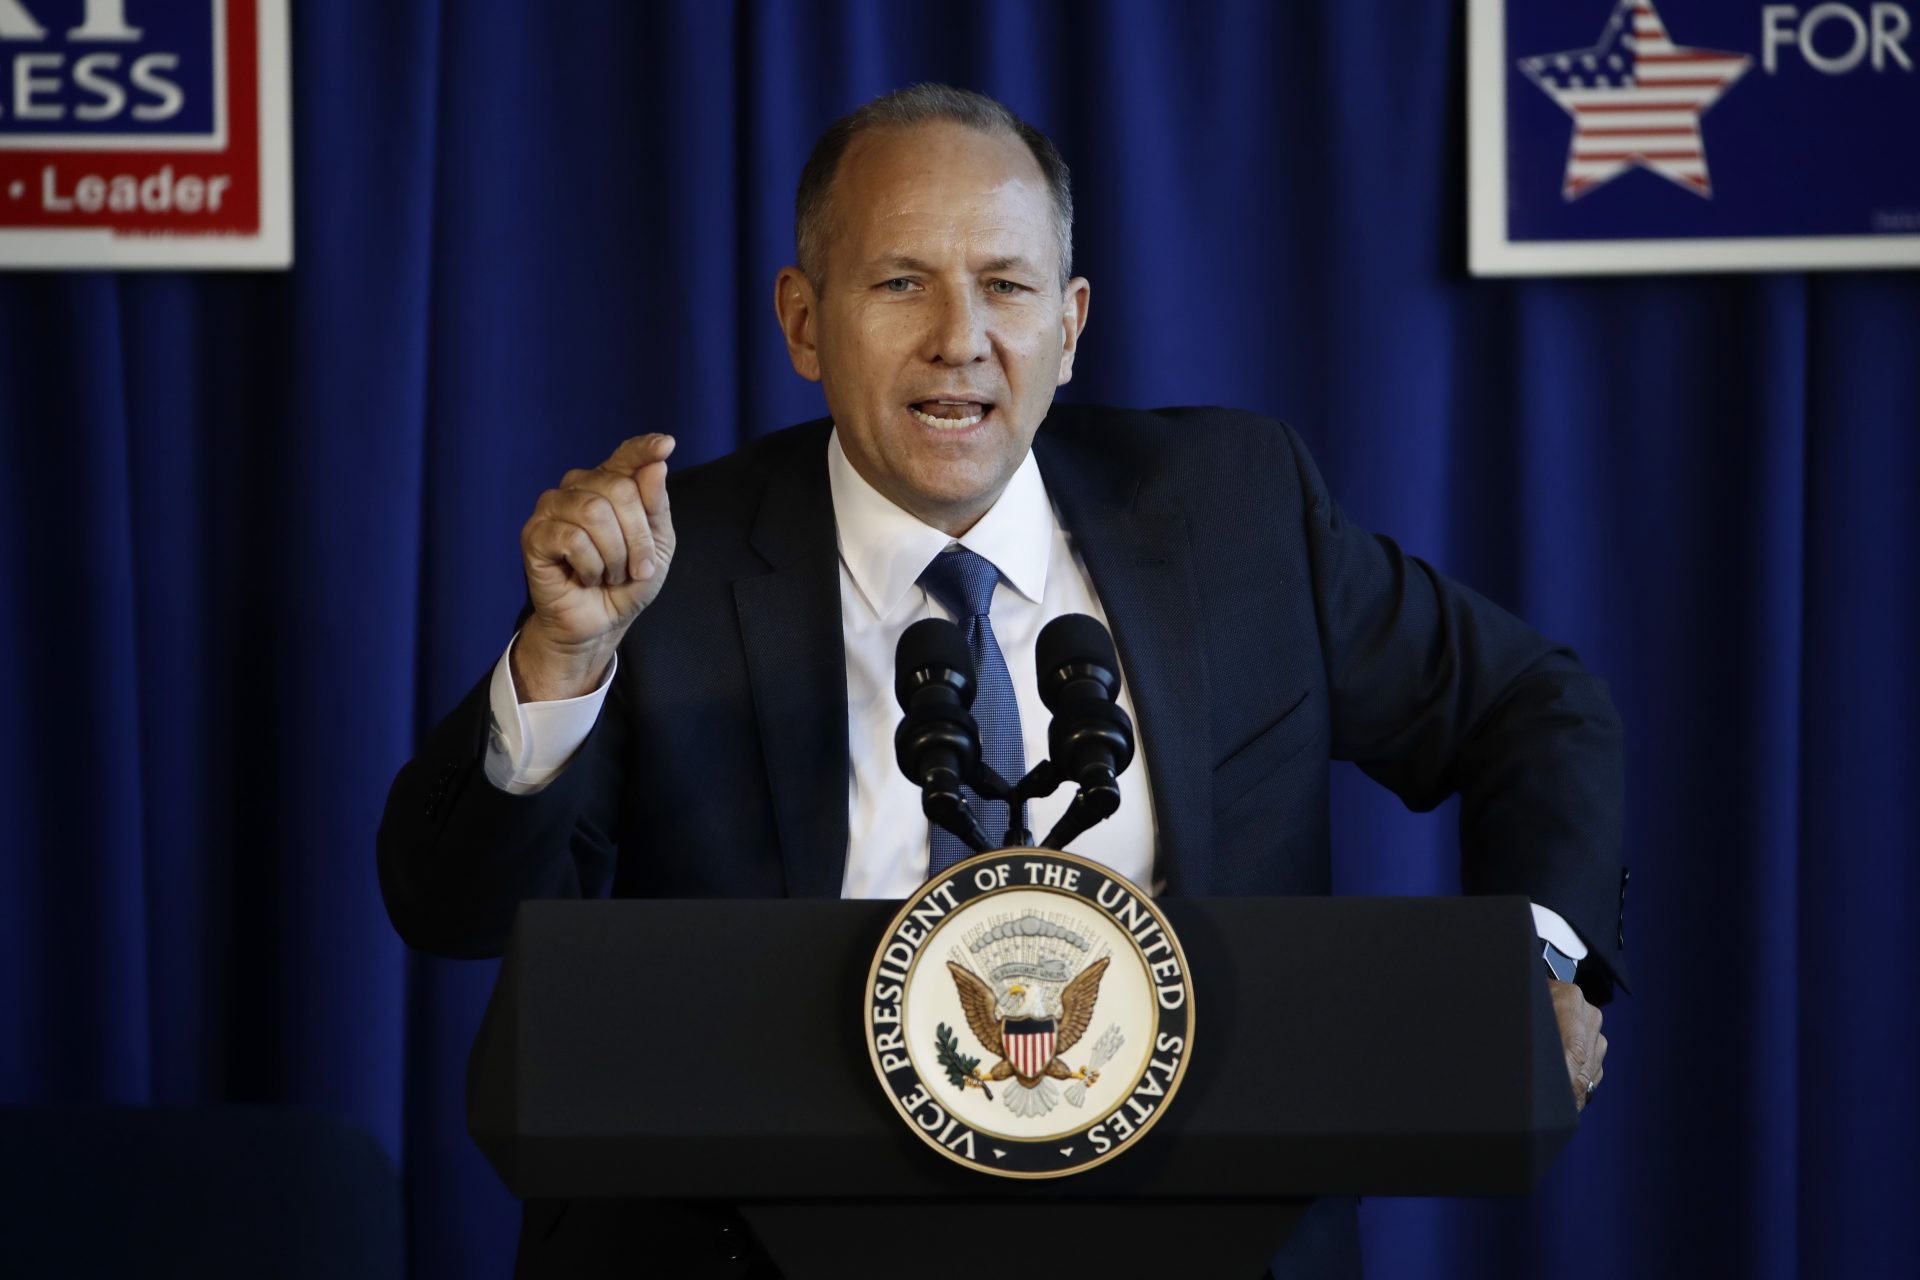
1026,1036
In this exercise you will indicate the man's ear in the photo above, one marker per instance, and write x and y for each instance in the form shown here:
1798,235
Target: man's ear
794,304
1073,321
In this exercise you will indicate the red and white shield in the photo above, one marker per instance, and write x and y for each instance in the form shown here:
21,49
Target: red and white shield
1029,1045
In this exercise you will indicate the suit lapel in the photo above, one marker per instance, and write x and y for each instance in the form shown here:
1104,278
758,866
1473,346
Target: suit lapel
796,665
1141,562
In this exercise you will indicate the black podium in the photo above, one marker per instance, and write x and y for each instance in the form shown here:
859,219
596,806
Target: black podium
713,1049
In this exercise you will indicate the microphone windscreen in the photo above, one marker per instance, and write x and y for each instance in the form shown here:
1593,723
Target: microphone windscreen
932,644
1070,640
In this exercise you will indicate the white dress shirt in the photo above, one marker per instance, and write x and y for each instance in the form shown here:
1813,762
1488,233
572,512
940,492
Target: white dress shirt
883,550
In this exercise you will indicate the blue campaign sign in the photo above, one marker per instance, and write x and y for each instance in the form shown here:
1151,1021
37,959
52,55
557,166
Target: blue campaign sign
120,73
1677,135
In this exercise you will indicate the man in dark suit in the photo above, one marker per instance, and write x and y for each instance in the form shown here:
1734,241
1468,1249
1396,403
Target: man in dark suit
729,736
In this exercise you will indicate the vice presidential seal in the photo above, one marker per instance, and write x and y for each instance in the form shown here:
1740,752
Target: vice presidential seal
1030,1013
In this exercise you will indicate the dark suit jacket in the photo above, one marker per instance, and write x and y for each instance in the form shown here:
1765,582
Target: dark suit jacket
1263,634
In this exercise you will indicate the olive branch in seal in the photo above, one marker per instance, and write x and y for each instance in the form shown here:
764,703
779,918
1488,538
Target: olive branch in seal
961,1070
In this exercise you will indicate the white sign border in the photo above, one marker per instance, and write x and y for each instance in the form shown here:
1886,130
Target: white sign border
44,249
1491,253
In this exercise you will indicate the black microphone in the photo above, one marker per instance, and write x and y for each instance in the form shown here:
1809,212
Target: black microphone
1090,741
938,744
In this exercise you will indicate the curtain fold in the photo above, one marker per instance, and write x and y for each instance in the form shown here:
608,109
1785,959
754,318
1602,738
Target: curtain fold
262,531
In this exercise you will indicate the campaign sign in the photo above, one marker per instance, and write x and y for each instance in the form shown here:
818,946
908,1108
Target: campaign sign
144,133
1692,135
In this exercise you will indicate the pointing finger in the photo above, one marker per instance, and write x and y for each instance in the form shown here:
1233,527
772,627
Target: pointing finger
640,451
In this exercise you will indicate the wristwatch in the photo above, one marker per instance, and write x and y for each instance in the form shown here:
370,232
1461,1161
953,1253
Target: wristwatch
1561,965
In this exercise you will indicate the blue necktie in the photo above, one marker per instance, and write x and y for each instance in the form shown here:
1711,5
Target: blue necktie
963,581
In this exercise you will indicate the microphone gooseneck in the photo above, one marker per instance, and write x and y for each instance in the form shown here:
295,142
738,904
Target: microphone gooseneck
938,744
1090,741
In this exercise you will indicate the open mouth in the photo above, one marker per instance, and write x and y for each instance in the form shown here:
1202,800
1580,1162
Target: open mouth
950,415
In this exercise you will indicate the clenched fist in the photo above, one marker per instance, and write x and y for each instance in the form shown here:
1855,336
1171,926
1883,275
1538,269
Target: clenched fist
596,551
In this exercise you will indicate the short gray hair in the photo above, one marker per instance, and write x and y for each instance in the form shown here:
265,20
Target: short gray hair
921,104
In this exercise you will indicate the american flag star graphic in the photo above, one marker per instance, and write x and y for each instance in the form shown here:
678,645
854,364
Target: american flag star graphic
1636,98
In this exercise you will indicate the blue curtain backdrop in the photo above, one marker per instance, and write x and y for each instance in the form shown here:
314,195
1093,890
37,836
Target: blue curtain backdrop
260,530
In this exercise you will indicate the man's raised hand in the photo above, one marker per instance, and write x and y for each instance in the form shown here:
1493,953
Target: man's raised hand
596,551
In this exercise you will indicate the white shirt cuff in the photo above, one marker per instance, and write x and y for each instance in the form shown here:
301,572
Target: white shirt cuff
529,743
1552,927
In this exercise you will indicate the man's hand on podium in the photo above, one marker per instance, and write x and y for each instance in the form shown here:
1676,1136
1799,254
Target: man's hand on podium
596,551
1580,1037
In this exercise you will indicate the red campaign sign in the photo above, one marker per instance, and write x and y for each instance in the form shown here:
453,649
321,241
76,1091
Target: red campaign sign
144,133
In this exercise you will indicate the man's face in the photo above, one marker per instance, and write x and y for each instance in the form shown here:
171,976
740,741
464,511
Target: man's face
939,329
